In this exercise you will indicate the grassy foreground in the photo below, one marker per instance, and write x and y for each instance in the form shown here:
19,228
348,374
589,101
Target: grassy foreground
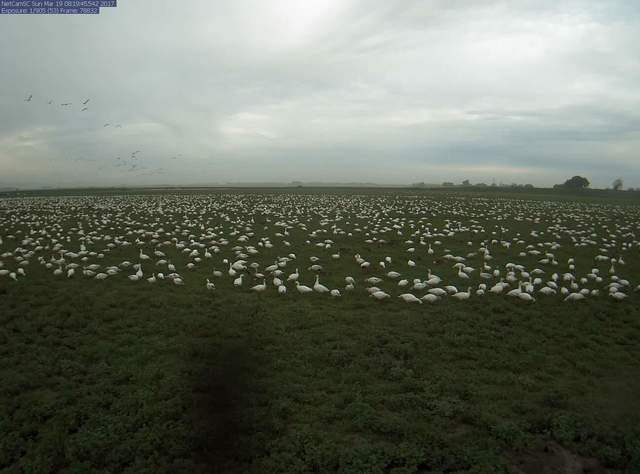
115,376
185,381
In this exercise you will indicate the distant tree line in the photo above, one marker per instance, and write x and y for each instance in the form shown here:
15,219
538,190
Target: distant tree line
576,182
618,185
467,183
579,182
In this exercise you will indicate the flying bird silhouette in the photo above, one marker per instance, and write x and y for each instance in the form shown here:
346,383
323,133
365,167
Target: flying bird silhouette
28,99
86,108
86,102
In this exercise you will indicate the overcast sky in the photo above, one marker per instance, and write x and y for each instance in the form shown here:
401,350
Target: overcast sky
529,91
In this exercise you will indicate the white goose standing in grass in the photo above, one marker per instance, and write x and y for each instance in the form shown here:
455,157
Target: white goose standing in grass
380,295
433,280
437,292
409,298
302,288
516,291
574,297
618,295
462,295
350,286
497,288
294,276
547,291
462,274
232,272
430,298
319,287
419,285
526,296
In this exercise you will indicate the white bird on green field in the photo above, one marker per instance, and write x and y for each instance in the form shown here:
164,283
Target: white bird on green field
410,298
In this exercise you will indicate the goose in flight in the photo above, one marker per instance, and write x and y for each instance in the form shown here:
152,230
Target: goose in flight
28,99
86,102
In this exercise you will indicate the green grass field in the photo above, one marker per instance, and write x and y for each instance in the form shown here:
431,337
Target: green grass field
121,376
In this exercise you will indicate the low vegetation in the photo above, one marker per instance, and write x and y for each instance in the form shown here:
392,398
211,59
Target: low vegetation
116,375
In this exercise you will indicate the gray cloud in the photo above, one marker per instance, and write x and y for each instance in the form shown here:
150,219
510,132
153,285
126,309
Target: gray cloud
330,90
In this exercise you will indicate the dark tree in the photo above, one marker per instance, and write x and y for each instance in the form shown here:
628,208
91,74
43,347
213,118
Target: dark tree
577,182
617,185
466,183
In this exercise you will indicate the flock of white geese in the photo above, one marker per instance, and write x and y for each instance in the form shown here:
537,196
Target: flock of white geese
413,248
